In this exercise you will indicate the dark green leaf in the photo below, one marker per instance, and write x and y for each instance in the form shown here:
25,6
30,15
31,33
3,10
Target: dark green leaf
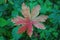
3,22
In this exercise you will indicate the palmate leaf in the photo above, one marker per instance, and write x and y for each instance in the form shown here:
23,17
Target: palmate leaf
3,22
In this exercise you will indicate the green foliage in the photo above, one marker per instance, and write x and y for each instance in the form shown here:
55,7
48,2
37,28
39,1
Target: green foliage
2,38
15,34
46,7
55,18
3,7
3,22
1,13
2,1
14,13
12,8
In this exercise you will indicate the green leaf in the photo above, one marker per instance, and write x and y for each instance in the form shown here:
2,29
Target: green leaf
32,0
3,22
1,13
11,2
10,23
14,13
2,38
2,1
42,35
17,7
16,3
32,5
55,34
2,31
5,32
15,34
3,7
46,7
40,1
54,18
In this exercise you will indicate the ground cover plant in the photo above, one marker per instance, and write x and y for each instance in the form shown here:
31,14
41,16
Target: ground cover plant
43,16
